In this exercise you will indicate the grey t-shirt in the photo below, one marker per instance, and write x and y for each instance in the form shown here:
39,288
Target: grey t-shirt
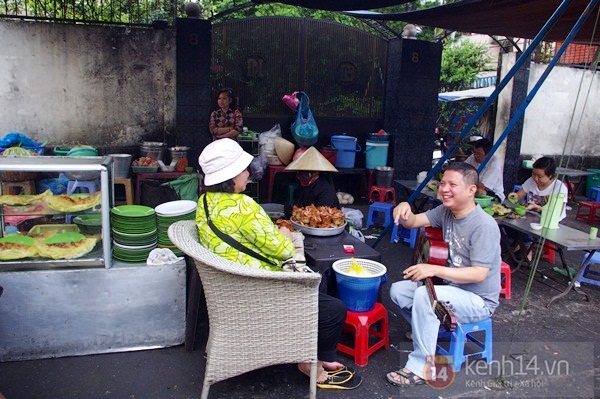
472,240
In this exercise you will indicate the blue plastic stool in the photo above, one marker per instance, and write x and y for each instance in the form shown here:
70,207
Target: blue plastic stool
80,186
407,235
583,277
458,339
374,210
594,194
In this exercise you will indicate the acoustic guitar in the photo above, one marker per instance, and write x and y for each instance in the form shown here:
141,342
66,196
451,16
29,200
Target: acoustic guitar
432,249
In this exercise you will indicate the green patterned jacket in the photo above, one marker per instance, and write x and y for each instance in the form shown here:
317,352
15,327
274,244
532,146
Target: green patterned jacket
240,217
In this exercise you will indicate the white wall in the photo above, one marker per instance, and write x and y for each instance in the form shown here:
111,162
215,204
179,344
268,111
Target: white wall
551,126
565,113
76,84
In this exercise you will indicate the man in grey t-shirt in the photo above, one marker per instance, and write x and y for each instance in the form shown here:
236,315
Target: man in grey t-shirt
472,273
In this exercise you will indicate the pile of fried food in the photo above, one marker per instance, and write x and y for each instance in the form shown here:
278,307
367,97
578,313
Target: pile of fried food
145,161
285,223
322,217
500,209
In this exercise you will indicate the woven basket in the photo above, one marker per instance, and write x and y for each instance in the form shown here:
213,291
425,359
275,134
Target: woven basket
17,176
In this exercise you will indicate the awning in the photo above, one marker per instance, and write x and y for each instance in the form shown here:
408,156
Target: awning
482,93
510,18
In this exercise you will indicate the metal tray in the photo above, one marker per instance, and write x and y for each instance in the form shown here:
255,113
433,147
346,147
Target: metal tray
315,231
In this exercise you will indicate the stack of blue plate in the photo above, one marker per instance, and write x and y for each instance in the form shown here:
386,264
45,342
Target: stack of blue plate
169,213
134,232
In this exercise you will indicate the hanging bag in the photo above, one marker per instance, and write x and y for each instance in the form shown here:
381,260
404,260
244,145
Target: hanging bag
304,129
291,100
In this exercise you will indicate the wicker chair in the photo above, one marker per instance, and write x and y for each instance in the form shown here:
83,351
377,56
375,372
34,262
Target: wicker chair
257,318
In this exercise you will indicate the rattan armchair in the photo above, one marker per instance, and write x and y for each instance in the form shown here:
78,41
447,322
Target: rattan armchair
257,318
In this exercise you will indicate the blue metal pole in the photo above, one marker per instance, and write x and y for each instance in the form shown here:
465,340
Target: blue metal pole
538,38
592,4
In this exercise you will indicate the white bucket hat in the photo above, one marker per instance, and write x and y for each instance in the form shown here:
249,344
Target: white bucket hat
222,160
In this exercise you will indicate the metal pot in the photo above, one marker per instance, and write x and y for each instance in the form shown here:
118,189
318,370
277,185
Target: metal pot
83,175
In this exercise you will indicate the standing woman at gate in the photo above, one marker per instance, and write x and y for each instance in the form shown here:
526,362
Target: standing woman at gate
226,121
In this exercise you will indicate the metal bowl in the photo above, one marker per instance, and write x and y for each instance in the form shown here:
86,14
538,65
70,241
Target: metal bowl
315,231
83,175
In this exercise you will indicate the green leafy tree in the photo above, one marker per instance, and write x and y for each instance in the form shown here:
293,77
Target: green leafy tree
461,61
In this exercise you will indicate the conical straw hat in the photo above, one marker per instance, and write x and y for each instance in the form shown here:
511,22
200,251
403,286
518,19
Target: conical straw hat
312,160
284,150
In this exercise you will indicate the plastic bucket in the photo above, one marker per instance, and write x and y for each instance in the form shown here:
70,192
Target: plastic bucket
359,293
346,147
377,152
121,163
383,176
552,210
592,181
329,153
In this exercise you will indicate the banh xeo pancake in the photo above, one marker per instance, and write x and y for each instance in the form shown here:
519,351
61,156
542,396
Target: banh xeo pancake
17,247
9,199
73,202
64,245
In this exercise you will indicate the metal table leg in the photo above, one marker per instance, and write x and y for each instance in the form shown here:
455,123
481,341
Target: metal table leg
572,284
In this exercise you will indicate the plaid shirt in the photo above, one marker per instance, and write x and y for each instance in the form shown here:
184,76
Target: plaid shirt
231,118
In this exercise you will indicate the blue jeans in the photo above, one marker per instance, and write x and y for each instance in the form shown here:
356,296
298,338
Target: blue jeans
415,306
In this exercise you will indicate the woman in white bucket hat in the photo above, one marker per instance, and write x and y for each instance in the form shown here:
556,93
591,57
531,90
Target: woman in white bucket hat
233,214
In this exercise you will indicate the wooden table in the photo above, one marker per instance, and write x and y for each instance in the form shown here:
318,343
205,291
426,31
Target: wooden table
565,238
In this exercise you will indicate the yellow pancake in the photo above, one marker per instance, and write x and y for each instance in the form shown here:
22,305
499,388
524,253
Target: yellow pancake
13,251
73,202
65,250
10,199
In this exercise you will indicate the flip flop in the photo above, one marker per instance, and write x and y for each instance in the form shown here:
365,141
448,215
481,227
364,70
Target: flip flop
410,376
352,383
343,369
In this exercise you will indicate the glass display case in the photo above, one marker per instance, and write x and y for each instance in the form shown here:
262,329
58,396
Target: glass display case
42,214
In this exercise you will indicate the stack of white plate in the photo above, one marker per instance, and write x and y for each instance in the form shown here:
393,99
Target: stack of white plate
134,232
169,213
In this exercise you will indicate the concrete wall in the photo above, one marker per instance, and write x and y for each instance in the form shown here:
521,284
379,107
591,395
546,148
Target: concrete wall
564,113
76,84
551,125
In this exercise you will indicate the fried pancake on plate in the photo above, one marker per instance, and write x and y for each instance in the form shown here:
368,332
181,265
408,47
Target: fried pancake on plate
65,250
9,199
73,202
17,247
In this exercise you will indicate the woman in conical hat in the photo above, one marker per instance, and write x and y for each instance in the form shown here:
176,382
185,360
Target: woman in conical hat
314,190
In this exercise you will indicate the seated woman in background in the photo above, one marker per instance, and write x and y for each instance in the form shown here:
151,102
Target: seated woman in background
540,185
314,190
225,167
226,121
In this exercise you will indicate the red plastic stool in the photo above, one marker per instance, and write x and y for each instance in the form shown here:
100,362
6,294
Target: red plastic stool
382,194
549,252
505,281
589,217
361,323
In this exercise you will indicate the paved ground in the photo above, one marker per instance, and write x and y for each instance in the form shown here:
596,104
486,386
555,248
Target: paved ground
538,352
